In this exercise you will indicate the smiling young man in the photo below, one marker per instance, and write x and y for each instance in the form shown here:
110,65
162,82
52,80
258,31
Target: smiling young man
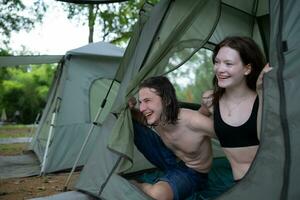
174,139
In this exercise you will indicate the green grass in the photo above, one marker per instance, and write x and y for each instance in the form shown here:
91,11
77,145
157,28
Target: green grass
12,149
15,135
13,126
13,131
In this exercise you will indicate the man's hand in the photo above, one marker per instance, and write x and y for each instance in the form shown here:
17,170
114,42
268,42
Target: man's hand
132,102
135,113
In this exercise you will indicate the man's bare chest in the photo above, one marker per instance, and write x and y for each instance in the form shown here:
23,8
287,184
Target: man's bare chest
182,143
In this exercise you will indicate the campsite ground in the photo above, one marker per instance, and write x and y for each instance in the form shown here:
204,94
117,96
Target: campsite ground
29,187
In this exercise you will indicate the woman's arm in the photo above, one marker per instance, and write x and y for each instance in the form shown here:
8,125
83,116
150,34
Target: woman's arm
259,90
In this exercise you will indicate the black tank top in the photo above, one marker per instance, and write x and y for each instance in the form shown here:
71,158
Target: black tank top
240,136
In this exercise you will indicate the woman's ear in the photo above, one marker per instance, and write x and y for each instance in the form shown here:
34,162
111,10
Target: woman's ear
248,69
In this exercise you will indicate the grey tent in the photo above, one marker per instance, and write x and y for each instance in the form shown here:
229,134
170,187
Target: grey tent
181,25
81,83
26,164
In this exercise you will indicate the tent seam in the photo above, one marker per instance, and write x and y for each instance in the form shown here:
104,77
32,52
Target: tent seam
282,106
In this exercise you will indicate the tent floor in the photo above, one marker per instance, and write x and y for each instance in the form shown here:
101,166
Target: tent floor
74,195
220,179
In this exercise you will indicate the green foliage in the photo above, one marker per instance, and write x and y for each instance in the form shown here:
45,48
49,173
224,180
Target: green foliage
3,52
15,16
115,20
194,77
25,89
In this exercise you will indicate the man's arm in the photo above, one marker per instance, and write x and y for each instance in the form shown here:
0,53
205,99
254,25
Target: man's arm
201,123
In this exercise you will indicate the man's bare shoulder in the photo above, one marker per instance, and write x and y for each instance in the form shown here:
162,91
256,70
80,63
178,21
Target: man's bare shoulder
186,113
196,121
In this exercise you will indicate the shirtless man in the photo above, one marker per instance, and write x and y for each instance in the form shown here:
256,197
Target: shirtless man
178,143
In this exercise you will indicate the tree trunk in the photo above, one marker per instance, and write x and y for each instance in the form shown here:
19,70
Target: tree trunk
92,18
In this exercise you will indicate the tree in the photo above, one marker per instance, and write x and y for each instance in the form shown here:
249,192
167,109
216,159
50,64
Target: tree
25,89
115,20
15,16
194,77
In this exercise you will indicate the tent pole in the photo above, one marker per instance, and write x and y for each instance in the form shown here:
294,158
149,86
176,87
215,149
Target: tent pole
34,125
56,108
88,136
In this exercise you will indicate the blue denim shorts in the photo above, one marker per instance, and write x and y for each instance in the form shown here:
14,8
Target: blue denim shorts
183,180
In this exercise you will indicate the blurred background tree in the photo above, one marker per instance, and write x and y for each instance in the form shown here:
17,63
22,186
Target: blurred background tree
15,16
115,21
193,77
24,90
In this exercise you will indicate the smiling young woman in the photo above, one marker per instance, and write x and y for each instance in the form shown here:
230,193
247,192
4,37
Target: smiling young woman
234,102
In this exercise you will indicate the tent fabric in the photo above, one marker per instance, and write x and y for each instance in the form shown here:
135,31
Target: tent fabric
19,166
121,139
145,30
106,183
74,195
7,61
96,49
68,116
289,93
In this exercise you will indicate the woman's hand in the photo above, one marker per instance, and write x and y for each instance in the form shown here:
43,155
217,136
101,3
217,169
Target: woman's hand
259,82
259,87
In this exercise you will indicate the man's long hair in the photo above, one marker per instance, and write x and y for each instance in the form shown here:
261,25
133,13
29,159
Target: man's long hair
164,88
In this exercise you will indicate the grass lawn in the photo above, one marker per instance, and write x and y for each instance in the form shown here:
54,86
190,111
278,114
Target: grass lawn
12,149
14,131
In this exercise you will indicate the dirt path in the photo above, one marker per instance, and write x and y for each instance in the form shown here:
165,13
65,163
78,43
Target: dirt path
33,187
30,187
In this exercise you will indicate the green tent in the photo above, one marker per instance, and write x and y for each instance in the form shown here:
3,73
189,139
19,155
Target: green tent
186,26
82,81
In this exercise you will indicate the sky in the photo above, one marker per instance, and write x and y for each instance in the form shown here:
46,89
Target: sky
55,36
